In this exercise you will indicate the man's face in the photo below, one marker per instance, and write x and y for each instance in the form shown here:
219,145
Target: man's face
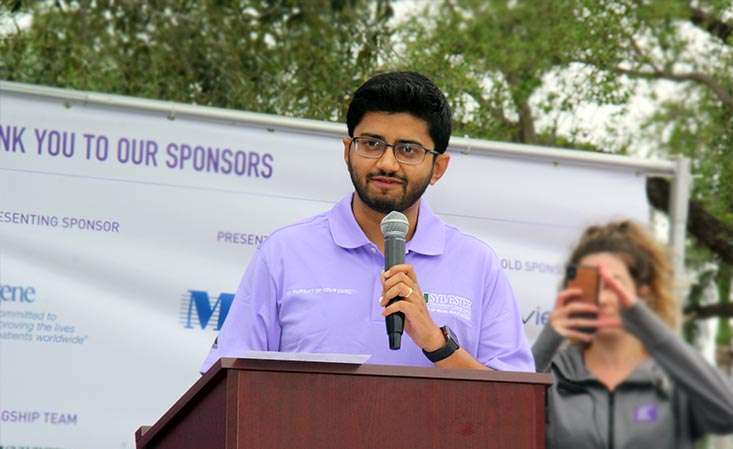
385,184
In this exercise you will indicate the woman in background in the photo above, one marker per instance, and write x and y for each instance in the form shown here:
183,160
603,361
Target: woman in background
626,380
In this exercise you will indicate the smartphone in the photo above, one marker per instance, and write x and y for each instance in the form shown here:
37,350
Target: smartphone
588,280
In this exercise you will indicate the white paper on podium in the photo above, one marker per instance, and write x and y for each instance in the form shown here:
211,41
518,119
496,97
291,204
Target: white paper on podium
349,359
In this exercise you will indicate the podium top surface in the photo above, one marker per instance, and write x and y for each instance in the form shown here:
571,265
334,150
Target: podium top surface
378,370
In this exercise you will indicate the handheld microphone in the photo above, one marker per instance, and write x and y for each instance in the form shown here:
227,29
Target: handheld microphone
394,228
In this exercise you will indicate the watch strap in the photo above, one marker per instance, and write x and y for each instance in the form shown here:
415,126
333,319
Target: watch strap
451,346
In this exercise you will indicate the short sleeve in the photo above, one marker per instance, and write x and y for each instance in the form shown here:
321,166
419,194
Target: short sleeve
503,345
252,323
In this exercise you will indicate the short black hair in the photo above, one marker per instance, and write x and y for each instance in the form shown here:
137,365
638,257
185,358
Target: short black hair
408,92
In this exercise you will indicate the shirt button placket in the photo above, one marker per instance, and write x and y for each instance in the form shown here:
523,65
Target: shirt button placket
378,262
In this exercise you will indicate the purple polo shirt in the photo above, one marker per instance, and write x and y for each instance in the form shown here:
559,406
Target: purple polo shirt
314,286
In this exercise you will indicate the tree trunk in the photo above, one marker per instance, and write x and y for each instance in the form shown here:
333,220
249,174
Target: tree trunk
724,337
706,228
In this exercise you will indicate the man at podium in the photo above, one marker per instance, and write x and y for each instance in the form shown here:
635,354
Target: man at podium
318,285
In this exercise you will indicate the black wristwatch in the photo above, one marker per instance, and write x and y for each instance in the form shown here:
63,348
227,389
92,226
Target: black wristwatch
451,346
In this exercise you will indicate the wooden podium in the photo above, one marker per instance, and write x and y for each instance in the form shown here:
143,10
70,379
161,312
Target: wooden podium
266,404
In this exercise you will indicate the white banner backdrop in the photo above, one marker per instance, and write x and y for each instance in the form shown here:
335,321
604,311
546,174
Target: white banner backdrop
123,235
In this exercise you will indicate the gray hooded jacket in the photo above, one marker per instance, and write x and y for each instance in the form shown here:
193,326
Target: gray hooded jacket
669,400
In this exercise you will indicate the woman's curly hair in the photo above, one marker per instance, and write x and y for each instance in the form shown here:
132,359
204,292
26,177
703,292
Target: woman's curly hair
646,260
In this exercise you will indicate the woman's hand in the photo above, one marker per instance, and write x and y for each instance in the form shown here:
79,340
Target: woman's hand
564,317
578,320
626,297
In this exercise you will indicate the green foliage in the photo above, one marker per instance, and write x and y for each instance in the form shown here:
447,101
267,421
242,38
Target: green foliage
287,57
505,64
491,57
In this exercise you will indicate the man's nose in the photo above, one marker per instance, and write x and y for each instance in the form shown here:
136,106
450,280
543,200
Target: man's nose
388,162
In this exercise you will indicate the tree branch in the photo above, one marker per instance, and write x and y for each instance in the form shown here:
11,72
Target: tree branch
526,130
643,57
700,78
707,229
713,25
499,116
698,312
497,113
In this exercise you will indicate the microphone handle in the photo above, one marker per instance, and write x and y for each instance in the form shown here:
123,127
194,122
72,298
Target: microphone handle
394,254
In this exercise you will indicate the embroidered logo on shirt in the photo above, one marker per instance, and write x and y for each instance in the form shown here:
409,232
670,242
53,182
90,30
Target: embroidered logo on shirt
645,413
320,290
452,304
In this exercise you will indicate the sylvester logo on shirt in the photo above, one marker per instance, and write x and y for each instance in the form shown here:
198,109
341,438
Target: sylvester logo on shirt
451,304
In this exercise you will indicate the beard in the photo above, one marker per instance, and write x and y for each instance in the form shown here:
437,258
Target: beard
411,192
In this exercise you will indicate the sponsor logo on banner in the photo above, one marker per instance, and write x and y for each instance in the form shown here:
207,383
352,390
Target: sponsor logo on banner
15,324
19,321
17,293
536,317
200,310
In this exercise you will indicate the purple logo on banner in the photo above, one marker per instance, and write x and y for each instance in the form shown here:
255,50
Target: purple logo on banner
645,413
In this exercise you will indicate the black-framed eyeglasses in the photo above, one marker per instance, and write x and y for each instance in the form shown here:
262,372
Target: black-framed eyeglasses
409,153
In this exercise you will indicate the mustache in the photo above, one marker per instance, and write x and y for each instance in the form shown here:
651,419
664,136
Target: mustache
385,174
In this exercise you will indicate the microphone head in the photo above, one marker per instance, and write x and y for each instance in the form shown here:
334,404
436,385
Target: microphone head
395,225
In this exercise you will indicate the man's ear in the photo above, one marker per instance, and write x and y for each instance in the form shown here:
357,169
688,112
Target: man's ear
440,165
347,144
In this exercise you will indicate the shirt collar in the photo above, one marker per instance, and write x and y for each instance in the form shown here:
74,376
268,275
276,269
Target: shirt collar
345,231
571,366
429,237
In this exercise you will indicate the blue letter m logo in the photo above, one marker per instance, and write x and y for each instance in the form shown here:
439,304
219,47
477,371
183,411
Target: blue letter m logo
200,305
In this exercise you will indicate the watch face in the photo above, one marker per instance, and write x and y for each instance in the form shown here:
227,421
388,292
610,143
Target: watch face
450,337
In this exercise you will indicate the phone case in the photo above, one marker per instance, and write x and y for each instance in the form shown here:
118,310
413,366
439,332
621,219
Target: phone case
586,279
